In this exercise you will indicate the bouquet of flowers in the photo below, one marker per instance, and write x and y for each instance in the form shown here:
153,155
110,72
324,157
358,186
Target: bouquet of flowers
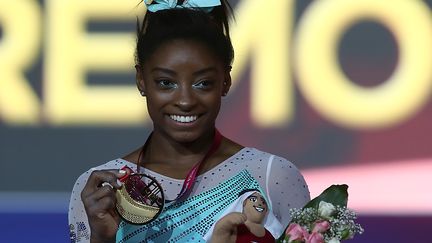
325,219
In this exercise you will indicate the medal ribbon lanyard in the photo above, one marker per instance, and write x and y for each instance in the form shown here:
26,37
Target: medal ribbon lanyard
192,174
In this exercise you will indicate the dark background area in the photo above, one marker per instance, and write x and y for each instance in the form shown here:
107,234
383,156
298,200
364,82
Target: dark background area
45,158
368,55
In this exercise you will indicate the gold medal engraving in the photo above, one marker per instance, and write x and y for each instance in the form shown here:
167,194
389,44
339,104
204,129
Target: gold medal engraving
139,202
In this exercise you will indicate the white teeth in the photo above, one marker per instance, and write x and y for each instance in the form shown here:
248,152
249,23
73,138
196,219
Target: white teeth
183,119
259,209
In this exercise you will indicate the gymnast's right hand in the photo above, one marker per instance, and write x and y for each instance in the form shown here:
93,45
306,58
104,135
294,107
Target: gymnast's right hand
99,201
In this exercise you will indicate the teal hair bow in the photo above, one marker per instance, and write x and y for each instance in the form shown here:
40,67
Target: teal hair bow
205,5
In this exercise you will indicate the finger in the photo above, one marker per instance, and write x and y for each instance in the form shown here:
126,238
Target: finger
104,207
107,184
242,218
115,215
104,191
98,177
117,184
98,200
239,218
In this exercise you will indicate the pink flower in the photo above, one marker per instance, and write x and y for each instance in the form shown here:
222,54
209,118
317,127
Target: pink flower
315,237
296,232
321,226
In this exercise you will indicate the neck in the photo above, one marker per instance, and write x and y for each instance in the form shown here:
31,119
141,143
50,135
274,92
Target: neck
255,228
165,150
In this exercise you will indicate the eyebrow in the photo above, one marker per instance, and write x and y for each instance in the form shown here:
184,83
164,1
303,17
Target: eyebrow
205,70
165,70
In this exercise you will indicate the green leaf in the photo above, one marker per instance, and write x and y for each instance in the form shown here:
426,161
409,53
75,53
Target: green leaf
335,194
346,234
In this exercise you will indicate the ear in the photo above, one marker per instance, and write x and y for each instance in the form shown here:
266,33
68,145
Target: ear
140,80
227,82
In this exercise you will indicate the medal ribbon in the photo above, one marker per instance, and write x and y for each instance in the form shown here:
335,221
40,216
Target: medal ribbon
192,174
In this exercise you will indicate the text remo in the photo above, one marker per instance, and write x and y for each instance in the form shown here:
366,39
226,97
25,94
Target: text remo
260,35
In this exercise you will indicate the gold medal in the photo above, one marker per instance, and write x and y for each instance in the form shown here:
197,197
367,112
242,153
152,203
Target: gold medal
140,200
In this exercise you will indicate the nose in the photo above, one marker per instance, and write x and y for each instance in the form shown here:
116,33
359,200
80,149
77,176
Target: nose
185,99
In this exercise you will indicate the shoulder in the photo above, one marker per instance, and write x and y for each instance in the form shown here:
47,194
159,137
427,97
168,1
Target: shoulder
271,171
283,182
283,177
261,161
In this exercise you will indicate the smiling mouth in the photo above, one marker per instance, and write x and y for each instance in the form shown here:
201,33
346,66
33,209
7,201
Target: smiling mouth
259,209
183,119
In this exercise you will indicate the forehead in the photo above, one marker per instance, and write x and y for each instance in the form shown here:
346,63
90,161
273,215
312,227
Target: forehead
180,52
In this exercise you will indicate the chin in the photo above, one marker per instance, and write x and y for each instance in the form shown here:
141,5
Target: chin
185,136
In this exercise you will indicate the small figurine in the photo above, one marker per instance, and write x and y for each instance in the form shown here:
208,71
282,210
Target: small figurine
246,226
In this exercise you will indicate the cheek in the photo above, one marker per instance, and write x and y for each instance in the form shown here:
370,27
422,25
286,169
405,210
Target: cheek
157,99
247,205
155,104
214,101
248,210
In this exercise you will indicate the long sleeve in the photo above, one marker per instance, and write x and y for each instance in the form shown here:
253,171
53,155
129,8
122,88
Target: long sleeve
286,187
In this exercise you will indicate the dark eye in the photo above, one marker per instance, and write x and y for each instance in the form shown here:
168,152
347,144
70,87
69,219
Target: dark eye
252,199
166,84
204,84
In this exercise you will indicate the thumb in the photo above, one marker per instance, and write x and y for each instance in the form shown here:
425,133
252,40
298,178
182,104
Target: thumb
241,219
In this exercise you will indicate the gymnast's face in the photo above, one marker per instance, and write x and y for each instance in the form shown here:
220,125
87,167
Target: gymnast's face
255,208
183,82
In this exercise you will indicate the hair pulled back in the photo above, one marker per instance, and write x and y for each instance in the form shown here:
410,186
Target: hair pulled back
210,29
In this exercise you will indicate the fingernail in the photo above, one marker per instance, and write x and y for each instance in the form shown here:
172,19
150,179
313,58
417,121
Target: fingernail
107,184
119,183
122,172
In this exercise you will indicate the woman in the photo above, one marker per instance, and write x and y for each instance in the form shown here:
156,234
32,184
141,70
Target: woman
183,64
